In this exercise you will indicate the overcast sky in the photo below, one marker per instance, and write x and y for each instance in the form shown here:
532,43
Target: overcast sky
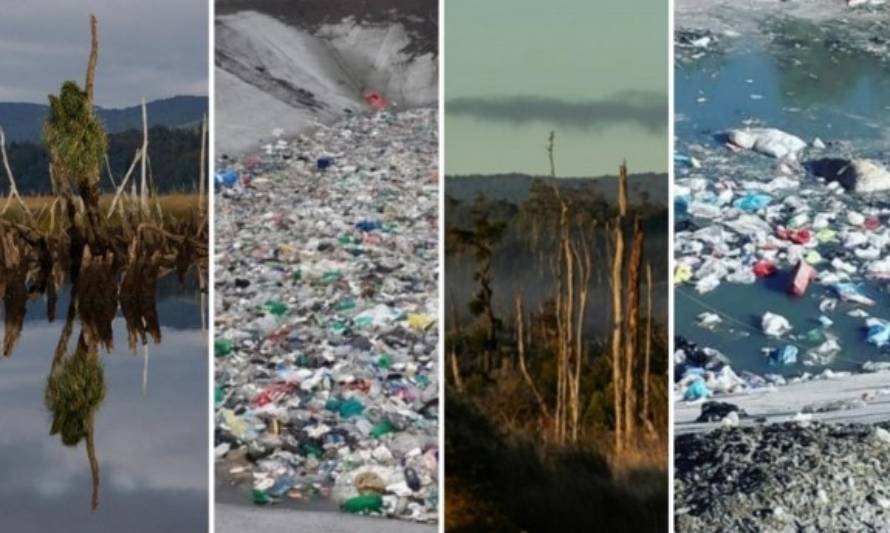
154,49
595,72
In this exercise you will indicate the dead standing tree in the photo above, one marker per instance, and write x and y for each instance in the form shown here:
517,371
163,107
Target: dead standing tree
632,310
76,143
572,267
625,322
572,264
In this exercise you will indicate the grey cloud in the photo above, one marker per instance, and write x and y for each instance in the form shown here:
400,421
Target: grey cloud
647,110
153,49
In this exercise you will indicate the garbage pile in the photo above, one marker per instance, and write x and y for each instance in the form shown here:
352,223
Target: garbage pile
764,203
326,311
783,477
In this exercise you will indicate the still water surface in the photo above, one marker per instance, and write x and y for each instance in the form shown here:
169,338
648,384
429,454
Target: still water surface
150,446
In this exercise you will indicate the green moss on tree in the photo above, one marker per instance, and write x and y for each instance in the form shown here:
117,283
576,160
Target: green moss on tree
75,139
74,390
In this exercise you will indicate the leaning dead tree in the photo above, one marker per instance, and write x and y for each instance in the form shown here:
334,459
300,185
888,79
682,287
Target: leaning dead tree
13,190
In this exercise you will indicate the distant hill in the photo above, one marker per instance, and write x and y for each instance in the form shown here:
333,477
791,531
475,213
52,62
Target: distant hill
173,160
24,122
514,188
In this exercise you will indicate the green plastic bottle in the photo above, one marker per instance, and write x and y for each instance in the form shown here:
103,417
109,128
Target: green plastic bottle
275,307
366,503
222,347
259,497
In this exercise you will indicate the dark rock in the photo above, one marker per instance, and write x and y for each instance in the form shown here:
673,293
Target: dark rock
717,411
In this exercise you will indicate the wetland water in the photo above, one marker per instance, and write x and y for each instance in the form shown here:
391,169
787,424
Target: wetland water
810,80
150,447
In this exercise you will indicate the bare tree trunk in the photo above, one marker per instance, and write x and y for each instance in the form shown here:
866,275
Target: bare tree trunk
617,328
120,189
585,265
566,335
617,311
94,462
13,190
560,357
144,158
455,363
91,64
631,336
202,175
520,346
89,185
145,369
455,372
648,349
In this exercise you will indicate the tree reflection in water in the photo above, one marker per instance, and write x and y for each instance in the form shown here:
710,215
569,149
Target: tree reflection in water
75,386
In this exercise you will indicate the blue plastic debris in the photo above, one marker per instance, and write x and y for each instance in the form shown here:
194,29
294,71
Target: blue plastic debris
281,487
681,208
697,390
849,292
227,177
878,333
368,225
324,162
787,355
752,202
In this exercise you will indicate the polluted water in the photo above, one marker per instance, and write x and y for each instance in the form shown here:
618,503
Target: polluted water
326,310
782,197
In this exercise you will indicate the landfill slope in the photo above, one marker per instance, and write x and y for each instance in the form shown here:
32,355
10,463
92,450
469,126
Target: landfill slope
284,77
326,308
784,477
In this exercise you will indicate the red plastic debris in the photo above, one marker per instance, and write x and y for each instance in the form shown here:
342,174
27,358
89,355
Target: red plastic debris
764,269
273,393
376,100
800,280
872,223
797,236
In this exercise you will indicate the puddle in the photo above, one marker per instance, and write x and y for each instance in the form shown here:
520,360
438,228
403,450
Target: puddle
814,80
148,430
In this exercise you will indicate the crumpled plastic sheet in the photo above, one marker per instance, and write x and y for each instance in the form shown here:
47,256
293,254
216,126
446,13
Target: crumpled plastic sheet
326,284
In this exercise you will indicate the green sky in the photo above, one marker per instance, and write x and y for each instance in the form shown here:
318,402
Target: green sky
593,70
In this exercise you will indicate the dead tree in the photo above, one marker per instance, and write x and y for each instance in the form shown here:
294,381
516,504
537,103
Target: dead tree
632,330
13,190
617,311
648,351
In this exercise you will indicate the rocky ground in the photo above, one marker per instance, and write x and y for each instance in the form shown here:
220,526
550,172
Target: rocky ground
784,477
